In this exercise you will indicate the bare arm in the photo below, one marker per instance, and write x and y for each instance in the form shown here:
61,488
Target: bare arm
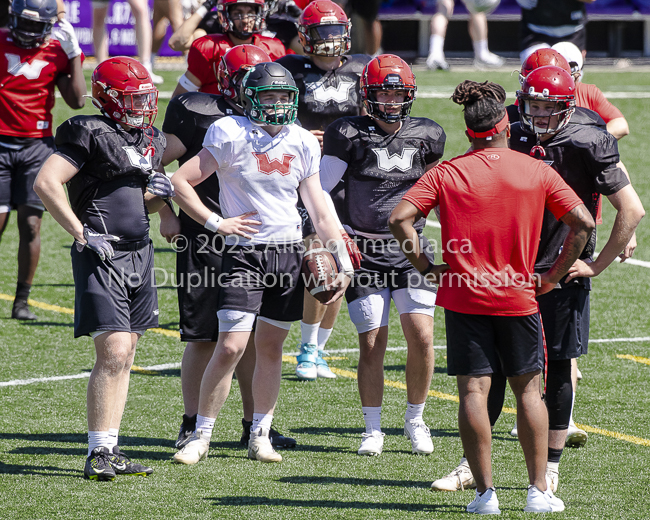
174,149
618,127
182,39
73,86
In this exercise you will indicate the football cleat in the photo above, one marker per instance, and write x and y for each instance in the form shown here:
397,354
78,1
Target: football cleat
322,368
419,435
306,369
21,311
485,504
489,61
458,480
259,447
98,465
188,425
437,64
278,441
123,465
195,450
372,444
514,432
542,502
575,437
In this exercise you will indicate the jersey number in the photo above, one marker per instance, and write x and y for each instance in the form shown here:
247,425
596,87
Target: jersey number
29,70
403,162
138,160
268,166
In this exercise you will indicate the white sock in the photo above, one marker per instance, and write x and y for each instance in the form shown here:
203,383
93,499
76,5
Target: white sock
436,45
573,402
261,420
309,332
112,437
372,418
205,424
480,48
323,336
554,466
414,411
97,439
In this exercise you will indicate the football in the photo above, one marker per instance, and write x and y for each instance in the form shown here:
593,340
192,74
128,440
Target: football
319,270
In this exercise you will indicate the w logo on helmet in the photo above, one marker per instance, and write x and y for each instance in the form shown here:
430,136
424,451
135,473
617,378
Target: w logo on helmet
268,166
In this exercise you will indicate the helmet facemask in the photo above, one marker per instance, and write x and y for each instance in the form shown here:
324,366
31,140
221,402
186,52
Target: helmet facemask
137,109
229,25
274,114
28,30
389,114
327,39
542,124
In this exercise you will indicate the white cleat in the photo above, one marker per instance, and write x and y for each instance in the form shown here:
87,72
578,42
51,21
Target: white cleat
458,480
552,479
195,450
437,63
322,368
489,61
514,431
485,504
372,444
575,437
578,374
260,448
419,435
542,502
307,369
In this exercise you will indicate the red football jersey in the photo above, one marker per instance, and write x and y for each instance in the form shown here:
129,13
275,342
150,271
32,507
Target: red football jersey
491,210
591,97
27,81
205,53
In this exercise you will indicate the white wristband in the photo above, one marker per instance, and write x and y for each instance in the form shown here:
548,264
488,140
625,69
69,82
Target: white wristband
184,82
202,11
213,223
339,249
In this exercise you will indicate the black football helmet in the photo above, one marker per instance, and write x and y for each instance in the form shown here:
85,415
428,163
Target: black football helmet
265,77
31,21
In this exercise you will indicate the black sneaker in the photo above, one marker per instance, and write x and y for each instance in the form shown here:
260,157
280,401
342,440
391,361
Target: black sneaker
187,429
98,465
278,440
123,465
21,311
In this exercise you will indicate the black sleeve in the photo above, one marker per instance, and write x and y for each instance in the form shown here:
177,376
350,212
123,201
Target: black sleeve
210,23
336,142
602,159
179,121
434,146
75,142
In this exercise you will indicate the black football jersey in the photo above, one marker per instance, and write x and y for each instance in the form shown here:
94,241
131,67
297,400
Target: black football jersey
585,155
551,13
326,95
107,193
381,167
188,117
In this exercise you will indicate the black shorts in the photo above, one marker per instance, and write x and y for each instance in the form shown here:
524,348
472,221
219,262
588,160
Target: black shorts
481,345
366,9
18,171
565,313
528,38
264,280
198,266
383,265
118,294
284,30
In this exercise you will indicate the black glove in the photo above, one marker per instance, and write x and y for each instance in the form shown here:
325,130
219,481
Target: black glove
209,4
98,242
160,185
292,9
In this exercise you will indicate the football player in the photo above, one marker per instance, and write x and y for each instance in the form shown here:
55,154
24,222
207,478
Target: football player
109,163
241,22
379,157
328,84
262,160
32,64
199,251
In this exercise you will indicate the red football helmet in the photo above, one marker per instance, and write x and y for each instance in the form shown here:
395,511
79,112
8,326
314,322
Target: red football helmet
324,29
234,65
228,22
542,58
546,84
387,72
122,89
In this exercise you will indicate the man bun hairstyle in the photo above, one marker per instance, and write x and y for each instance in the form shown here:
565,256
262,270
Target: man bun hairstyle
483,104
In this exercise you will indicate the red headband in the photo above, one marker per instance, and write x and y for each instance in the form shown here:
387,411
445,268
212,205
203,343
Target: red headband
498,128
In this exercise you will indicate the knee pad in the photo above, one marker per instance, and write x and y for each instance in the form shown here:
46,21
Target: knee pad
370,312
414,301
235,321
559,394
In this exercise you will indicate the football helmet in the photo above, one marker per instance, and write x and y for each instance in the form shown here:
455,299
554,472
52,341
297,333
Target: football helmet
265,77
31,21
324,29
573,56
233,67
552,84
123,90
542,58
387,72
228,23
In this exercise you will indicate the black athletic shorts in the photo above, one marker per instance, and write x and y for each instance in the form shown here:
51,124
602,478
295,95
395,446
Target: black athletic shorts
263,279
118,294
18,171
383,265
481,345
198,266
366,9
565,313
528,38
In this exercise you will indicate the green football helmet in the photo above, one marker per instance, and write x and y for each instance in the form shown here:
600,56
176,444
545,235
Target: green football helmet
269,77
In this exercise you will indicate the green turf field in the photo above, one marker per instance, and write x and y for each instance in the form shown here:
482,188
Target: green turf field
43,425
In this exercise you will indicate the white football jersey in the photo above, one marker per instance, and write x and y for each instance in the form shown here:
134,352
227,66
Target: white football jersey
261,173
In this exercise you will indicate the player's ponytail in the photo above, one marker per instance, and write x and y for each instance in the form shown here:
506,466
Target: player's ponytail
483,102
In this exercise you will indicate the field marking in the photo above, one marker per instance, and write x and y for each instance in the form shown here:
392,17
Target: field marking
433,93
637,359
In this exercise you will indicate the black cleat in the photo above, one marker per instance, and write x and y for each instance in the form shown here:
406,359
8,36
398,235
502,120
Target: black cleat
98,465
278,441
187,429
21,311
123,465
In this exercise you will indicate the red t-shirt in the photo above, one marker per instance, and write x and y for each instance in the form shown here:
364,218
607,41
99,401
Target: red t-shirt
27,80
591,97
491,209
205,53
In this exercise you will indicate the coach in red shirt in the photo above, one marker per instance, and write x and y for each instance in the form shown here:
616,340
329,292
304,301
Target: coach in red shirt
491,203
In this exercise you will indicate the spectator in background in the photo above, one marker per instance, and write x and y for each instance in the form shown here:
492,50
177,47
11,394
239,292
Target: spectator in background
165,12
140,10
372,31
477,26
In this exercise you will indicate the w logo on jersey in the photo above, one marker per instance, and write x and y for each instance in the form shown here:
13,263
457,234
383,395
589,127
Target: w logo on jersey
340,94
138,160
403,162
268,166
29,70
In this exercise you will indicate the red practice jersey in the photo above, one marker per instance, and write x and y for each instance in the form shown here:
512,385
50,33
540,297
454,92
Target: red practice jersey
27,81
205,53
491,210
591,97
